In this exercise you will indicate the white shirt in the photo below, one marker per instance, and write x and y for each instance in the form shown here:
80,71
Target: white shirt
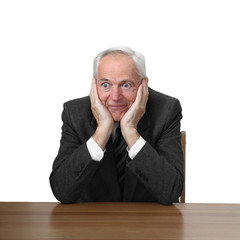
97,153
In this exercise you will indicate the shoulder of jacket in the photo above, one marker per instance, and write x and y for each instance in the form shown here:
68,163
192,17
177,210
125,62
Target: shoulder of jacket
77,101
78,106
156,96
83,102
160,104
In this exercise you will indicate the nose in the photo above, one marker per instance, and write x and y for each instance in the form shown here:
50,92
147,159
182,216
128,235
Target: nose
115,93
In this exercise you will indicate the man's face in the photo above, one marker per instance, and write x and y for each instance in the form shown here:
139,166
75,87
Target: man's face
117,83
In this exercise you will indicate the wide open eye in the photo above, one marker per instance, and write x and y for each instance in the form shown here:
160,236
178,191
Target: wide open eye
126,85
105,85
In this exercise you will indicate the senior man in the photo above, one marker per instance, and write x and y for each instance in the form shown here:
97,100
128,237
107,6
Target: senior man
121,143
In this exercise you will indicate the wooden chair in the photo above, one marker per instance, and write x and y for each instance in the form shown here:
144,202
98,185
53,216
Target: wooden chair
183,141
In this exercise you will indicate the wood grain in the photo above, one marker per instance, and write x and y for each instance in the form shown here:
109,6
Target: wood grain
119,221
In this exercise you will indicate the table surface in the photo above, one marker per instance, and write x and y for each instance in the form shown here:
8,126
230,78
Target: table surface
115,221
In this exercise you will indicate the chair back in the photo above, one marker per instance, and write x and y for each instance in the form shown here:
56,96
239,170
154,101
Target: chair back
183,141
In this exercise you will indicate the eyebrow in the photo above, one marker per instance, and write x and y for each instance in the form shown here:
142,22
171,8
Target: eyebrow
123,81
104,80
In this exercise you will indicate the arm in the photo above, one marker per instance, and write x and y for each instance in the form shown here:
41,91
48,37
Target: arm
159,165
73,166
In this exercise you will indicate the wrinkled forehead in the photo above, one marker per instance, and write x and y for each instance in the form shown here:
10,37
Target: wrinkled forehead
117,63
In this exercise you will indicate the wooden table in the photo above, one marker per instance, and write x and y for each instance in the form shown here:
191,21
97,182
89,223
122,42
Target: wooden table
115,221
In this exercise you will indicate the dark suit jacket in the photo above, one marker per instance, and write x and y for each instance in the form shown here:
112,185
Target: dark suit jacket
155,174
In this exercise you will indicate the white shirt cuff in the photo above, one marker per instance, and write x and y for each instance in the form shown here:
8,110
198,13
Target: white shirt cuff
137,146
95,151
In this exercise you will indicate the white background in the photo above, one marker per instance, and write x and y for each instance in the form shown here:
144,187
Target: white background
192,51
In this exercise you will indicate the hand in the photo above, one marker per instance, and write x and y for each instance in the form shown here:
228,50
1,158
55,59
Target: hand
103,117
131,118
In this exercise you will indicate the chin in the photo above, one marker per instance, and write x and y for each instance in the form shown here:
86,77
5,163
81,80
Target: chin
117,117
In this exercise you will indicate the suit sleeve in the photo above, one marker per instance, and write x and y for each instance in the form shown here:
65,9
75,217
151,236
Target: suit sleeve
73,167
159,165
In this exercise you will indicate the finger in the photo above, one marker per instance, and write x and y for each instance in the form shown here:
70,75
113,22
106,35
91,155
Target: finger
94,85
94,93
145,85
91,91
139,94
145,90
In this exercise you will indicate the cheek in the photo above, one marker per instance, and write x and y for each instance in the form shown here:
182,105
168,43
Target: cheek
130,97
103,96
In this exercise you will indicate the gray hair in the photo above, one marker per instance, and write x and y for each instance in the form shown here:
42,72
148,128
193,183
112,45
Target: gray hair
137,57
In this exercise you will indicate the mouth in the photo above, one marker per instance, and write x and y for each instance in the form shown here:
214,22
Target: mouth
117,107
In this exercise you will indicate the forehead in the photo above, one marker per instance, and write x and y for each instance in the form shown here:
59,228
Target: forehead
117,64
